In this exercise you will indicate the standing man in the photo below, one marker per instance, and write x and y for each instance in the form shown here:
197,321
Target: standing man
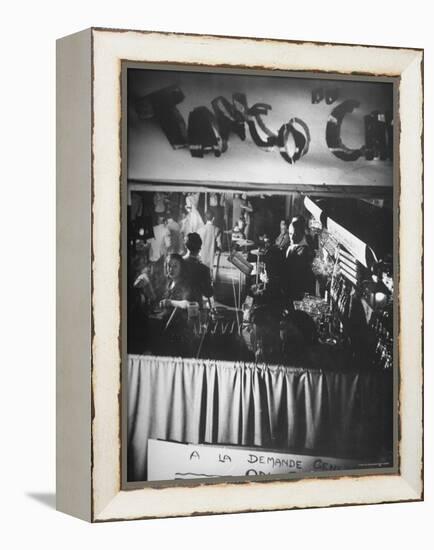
216,207
158,241
247,210
236,209
174,243
211,239
297,261
193,220
198,274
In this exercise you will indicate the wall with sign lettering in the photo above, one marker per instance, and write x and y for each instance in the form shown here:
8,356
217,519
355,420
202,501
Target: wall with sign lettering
185,126
169,460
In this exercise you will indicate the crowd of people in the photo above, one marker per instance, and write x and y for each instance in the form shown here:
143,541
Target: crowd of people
171,278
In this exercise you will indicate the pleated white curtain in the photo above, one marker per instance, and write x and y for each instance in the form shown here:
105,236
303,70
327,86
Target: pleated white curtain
279,408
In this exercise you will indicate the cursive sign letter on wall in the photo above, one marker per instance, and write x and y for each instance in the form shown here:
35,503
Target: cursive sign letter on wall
208,130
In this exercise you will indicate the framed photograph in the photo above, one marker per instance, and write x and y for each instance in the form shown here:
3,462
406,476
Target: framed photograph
239,275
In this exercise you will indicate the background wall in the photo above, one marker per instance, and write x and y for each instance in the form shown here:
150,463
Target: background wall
27,275
150,155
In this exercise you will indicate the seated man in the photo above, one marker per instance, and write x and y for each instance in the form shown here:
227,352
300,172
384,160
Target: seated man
198,275
238,231
299,340
268,301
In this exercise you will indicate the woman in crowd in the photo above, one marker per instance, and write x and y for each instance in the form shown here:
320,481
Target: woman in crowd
178,292
174,335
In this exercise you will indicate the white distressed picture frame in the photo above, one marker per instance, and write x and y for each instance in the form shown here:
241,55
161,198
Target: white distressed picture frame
88,272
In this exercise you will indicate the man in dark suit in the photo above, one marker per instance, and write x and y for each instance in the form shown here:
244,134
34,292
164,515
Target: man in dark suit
297,261
198,274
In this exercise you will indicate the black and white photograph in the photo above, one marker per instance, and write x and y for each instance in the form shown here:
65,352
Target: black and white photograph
258,275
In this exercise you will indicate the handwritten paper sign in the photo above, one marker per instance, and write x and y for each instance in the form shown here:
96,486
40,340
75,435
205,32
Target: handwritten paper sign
167,460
